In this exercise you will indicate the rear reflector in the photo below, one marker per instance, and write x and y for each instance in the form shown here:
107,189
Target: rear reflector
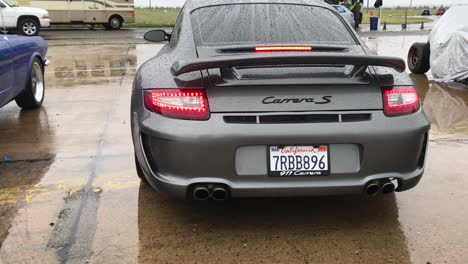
282,48
175,103
400,100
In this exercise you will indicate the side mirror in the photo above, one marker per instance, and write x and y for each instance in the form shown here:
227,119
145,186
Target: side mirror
157,35
2,5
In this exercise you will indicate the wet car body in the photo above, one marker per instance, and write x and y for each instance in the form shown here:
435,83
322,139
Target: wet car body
255,101
17,55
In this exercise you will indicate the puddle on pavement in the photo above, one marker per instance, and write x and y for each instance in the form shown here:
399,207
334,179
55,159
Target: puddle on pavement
52,157
18,183
94,65
89,65
446,106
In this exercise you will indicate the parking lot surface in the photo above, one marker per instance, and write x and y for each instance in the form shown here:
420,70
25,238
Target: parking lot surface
71,193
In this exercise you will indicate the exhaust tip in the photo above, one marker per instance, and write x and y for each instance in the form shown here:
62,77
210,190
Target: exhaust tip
219,194
372,189
388,188
201,193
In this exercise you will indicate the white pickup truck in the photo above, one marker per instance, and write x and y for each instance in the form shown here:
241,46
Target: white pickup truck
27,20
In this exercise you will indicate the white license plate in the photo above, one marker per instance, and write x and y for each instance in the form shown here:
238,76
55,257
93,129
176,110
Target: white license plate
298,160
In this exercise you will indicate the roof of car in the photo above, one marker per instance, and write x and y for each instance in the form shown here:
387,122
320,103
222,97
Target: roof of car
194,4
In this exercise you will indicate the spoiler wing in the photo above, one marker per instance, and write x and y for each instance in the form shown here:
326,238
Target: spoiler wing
363,61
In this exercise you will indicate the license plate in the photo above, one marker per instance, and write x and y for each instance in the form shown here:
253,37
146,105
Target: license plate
289,161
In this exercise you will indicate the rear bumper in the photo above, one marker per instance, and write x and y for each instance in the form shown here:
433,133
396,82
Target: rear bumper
45,23
177,154
129,18
181,188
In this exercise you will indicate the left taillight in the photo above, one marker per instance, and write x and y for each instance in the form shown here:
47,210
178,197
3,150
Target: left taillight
178,103
399,101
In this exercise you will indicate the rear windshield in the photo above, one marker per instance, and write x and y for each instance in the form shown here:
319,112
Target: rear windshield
268,23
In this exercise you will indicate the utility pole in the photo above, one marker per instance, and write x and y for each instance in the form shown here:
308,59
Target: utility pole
406,13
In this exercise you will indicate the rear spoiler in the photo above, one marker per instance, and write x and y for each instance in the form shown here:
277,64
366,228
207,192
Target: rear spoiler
362,61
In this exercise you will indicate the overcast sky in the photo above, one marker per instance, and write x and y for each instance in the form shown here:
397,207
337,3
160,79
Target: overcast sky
178,3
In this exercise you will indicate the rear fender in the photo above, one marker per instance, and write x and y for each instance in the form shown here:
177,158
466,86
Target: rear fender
28,71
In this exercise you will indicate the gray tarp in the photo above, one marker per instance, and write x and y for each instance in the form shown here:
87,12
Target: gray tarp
449,46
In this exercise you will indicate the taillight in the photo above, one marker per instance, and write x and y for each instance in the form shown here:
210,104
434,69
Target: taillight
282,48
133,14
352,14
401,100
175,103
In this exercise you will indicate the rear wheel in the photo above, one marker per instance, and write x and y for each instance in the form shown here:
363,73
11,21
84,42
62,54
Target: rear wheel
33,96
418,58
29,27
115,23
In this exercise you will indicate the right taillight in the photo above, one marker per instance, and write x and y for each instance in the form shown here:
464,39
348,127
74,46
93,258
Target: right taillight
401,100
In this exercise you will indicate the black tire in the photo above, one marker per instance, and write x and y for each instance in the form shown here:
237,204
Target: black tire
33,96
418,58
106,26
29,27
115,23
139,170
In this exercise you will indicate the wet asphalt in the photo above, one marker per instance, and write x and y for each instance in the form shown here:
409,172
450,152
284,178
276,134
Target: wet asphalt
71,194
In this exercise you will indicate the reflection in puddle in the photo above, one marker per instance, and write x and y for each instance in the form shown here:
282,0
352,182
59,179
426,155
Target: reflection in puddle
446,106
75,65
95,65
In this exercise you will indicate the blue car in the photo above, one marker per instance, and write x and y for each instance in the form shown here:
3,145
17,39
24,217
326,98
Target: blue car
22,62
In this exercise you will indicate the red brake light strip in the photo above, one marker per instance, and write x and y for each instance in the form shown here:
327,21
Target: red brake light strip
282,48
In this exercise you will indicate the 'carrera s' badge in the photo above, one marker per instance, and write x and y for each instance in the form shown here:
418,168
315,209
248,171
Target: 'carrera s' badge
274,100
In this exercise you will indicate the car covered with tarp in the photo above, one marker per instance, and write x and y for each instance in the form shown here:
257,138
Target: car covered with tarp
446,52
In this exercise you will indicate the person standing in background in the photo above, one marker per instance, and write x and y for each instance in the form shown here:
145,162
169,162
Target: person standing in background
344,3
356,9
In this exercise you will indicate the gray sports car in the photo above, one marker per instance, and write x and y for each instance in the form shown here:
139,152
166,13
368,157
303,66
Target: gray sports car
268,98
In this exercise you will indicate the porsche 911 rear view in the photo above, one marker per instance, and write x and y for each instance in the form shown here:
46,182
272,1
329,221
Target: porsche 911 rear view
273,99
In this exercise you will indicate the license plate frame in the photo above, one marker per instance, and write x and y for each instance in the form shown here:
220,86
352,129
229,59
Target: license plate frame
273,172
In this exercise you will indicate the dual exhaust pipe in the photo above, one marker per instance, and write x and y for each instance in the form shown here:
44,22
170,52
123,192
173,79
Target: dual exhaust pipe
385,186
204,192
209,191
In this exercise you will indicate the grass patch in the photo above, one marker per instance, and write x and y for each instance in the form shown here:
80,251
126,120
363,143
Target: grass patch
166,17
396,16
158,17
